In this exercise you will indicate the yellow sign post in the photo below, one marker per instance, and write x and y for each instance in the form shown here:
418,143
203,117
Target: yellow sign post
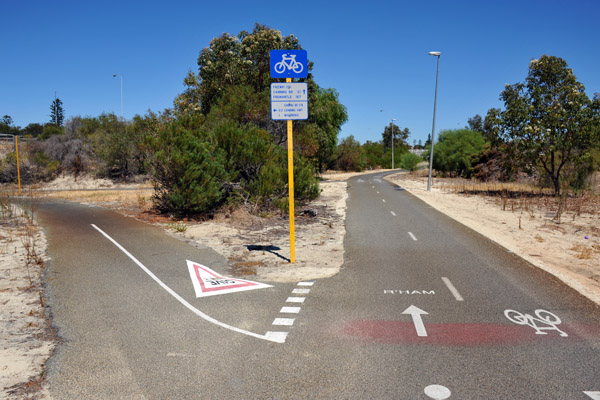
18,167
289,101
290,138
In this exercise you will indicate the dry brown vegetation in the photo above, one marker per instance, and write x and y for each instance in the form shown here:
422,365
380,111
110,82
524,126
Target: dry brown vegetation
28,337
528,198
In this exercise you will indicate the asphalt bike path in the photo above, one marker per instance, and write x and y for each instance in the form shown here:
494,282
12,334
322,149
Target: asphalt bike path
125,336
419,310
459,342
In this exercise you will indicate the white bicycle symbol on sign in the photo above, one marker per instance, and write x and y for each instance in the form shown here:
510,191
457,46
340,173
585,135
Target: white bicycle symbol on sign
288,62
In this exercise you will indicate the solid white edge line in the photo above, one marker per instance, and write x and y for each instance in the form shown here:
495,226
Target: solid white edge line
412,236
270,336
452,289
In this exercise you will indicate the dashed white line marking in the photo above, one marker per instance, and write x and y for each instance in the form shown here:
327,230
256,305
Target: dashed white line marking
452,289
393,213
301,291
289,310
284,321
383,200
305,283
270,336
378,192
412,236
295,299
278,337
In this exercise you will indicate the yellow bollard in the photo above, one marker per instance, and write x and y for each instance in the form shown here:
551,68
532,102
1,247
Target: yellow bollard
18,168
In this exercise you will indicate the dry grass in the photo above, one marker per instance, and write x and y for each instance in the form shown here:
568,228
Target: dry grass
20,335
528,198
140,197
584,252
246,268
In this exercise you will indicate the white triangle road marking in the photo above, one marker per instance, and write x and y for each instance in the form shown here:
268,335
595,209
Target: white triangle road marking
207,282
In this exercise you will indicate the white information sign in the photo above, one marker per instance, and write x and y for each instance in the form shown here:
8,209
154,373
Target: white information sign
289,101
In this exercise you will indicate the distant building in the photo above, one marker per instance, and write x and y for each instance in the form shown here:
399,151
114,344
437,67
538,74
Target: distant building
418,152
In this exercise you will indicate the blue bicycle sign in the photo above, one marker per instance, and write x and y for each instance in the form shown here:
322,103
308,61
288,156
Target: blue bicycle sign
289,64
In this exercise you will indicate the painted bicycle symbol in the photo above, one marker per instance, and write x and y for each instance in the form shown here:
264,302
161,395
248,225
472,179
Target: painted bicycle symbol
288,62
545,321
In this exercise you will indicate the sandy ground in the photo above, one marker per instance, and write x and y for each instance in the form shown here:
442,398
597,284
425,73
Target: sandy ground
26,341
569,250
261,248
258,248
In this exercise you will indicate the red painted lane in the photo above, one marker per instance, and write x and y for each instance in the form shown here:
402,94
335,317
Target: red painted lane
471,334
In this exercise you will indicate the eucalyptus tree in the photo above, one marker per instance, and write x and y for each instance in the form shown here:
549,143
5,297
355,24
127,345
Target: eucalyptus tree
549,123
243,60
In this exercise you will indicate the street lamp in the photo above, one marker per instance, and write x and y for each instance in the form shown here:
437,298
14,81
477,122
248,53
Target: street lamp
436,54
393,119
114,76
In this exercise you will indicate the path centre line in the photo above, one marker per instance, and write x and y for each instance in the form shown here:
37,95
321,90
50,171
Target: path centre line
277,337
412,236
393,213
452,289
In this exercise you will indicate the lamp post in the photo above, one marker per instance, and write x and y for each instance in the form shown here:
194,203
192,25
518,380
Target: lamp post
392,124
436,54
114,76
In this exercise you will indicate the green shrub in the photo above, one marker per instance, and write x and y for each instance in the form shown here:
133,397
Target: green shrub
349,155
456,151
410,161
199,165
51,130
188,172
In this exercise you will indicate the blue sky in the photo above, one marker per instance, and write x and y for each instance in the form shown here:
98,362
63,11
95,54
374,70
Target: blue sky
375,54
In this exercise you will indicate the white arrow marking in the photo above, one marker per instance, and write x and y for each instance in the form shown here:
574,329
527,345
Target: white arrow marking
416,313
593,395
